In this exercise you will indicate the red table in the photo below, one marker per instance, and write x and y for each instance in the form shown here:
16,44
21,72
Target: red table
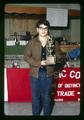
19,89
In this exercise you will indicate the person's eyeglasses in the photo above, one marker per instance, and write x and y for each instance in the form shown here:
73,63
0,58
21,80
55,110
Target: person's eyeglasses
41,28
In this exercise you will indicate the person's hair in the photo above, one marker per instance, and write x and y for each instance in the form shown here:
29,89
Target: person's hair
43,21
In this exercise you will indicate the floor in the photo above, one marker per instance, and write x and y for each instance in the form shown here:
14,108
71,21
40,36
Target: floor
60,108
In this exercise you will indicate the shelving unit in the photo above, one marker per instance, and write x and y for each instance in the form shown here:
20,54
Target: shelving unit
67,48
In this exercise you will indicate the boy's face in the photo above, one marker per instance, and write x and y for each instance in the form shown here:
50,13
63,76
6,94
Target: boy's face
42,30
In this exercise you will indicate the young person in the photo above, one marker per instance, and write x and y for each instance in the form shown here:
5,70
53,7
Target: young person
41,74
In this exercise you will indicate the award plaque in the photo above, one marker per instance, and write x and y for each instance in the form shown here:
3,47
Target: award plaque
50,50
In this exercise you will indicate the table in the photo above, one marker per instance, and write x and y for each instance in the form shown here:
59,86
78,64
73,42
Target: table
18,89
18,85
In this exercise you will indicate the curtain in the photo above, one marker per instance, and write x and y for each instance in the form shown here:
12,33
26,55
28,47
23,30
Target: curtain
22,25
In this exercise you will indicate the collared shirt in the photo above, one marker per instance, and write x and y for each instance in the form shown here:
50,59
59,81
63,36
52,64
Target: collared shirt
43,57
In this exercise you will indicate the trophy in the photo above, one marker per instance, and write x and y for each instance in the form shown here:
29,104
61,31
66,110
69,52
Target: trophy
50,51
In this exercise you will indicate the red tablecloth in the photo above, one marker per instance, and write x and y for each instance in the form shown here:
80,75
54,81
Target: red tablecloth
19,89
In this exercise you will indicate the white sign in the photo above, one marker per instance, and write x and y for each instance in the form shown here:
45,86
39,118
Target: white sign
10,43
23,42
57,17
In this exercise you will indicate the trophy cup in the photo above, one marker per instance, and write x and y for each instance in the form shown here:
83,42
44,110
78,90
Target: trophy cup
50,49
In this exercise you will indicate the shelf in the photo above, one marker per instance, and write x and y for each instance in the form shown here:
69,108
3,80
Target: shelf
67,48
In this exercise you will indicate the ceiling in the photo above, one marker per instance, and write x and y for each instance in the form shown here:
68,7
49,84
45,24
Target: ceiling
65,6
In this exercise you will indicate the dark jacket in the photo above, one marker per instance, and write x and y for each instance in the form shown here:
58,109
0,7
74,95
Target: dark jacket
32,55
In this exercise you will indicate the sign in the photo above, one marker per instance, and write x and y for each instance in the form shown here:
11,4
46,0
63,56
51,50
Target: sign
23,42
17,85
68,85
57,17
10,43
